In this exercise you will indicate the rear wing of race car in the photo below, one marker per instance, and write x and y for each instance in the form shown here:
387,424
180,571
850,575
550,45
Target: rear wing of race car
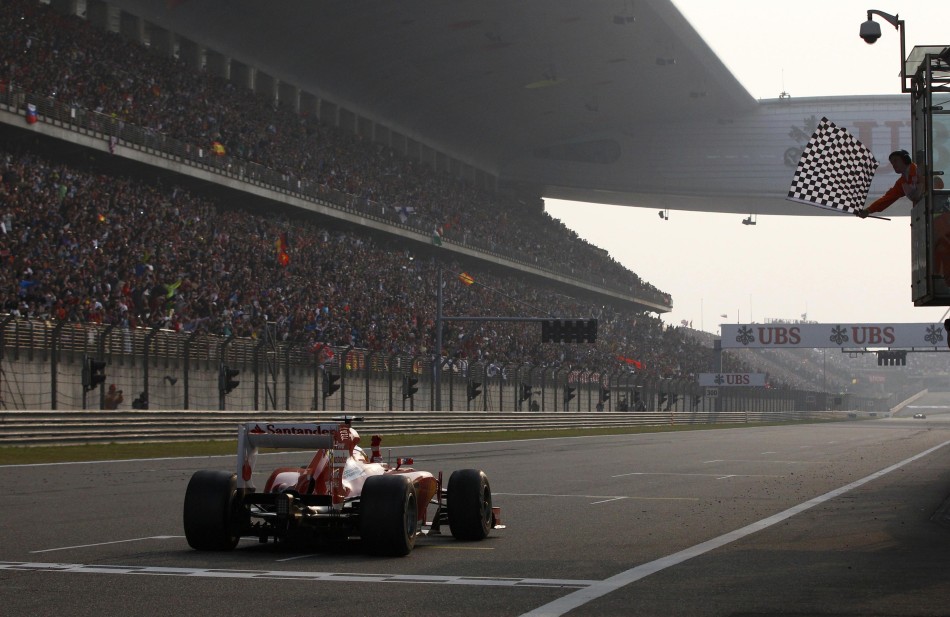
254,435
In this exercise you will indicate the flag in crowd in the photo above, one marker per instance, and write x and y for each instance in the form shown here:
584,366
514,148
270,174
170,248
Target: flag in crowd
217,148
631,362
283,257
437,236
31,116
466,278
404,212
323,352
835,170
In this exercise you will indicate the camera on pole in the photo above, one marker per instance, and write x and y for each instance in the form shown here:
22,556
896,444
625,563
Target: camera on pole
474,390
330,384
226,381
93,373
568,394
409,386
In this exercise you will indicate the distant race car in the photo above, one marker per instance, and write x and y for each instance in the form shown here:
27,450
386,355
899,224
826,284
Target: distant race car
342,493
919,416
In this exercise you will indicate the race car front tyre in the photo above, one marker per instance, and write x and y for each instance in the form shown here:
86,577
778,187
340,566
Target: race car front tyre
209,516
388,515
468,500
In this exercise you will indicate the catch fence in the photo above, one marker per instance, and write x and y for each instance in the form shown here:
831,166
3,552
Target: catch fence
41,367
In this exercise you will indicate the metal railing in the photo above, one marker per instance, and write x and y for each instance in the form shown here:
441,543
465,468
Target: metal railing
36,428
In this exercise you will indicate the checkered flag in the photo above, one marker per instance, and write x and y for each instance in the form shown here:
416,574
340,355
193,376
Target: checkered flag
835,170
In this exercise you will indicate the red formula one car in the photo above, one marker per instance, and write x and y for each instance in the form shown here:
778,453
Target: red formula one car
342,493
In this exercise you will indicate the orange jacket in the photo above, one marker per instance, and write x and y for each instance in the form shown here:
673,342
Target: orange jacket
905,186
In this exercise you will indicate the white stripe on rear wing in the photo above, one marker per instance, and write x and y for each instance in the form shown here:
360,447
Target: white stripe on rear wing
254,435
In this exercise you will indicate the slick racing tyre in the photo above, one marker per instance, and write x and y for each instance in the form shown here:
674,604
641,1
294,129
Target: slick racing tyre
388,515
210,517
469,504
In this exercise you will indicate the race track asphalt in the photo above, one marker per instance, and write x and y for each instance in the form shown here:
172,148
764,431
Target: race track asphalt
825,519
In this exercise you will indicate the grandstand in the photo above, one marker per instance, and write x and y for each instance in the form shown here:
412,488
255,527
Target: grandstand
142,195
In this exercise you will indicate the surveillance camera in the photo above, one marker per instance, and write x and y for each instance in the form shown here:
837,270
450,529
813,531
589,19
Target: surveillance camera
870,31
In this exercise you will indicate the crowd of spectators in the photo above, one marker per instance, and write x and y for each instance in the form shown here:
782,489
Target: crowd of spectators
80,244
85,246
67,60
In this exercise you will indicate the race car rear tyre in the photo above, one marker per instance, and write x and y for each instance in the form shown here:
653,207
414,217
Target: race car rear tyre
210,515
388,515
469,504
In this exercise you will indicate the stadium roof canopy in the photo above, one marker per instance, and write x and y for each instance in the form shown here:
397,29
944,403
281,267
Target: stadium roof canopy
616,101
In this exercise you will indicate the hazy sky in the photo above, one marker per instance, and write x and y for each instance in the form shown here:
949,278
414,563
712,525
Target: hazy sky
839,269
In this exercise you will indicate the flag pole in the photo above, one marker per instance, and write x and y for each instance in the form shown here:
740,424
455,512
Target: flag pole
870,216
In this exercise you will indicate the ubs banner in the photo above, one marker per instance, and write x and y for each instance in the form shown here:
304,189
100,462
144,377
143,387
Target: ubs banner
717,380
842,336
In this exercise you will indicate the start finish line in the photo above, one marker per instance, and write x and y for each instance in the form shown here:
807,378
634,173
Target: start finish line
832,335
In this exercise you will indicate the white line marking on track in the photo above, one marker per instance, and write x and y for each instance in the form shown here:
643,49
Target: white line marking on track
471,581
764,453
702,475
66,548
772,460
583,596
607,497
455,547
594,503
296,557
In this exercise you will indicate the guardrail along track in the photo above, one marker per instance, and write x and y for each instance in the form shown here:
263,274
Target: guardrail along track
25,428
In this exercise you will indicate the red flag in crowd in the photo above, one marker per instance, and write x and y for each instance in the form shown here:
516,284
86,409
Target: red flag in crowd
283,257
323,351
635,363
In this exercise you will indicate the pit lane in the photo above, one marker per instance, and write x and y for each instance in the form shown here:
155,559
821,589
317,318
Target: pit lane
583,515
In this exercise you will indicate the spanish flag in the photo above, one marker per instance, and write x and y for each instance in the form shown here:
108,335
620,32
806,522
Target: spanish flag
466,278
218,148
